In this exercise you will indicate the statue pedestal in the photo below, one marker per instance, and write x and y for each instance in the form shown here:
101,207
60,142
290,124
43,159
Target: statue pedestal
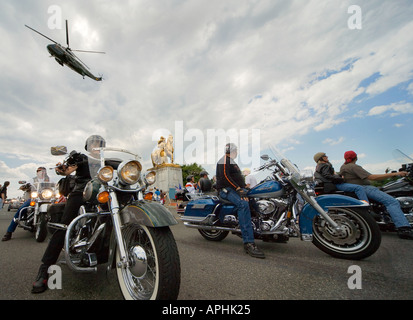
168,176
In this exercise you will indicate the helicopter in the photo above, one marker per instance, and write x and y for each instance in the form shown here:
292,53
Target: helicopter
65,56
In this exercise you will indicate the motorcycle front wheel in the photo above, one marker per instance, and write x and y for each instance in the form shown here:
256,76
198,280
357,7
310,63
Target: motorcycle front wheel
41,228
154,271
359,237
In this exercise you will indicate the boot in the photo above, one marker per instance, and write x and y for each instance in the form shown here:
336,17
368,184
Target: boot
253,251
7,236
40,284
405,233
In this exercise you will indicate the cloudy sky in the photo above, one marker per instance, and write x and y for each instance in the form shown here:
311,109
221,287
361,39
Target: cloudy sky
305,76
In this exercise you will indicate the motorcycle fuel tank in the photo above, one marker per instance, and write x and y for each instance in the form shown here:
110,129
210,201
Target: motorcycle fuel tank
268,189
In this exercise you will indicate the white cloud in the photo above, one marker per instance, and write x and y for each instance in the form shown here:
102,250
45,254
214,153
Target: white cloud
394,108
288,69
332,142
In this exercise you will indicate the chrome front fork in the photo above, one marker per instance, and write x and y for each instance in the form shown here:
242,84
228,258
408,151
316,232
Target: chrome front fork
114,204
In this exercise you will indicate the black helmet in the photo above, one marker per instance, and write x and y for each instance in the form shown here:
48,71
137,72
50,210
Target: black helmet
203,173
93,139
189,178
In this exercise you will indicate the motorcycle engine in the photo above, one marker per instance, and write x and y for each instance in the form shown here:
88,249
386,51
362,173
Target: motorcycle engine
267,208
406,204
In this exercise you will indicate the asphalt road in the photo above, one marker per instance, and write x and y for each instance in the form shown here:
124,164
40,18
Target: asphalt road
222,271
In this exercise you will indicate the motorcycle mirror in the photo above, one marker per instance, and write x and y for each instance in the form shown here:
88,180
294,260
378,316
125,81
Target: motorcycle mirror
58,150
22,182
265,157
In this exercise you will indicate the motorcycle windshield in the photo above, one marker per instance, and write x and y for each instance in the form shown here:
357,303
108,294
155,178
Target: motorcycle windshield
402,157
39,186
115,158
291,169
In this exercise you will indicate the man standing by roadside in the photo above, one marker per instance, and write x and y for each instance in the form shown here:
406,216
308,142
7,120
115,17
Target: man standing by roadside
3,194
353,173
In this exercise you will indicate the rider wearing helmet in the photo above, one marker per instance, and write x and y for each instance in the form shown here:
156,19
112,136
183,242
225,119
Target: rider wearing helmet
78,163
231,187
190,184
325,174
94,141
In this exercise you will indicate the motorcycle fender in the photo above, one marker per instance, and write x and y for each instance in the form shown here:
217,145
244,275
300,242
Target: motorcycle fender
147,213
43,207
325,201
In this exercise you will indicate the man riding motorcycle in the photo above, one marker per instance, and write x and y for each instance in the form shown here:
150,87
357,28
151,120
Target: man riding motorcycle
231,187
41,176
79,163
353,173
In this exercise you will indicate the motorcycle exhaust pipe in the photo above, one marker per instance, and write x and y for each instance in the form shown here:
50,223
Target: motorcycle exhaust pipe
205,227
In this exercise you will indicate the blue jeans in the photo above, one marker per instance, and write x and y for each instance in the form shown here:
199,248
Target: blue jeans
357,189
244,214
13,223
392,205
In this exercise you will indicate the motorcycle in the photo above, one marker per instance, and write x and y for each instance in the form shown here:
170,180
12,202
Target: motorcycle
120,230
401,189
34,217
284,205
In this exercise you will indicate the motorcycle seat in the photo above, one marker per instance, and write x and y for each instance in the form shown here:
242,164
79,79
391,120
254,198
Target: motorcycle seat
224,201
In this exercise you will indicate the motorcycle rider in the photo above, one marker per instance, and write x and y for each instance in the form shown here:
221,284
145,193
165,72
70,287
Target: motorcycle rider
190,184
325,173
81,164
356,174
231,187
41,176
204,184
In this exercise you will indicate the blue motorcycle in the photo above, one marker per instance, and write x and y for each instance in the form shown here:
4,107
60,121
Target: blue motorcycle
283,206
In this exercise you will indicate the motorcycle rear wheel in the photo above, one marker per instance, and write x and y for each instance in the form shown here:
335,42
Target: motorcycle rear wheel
361,236
154,271
213,235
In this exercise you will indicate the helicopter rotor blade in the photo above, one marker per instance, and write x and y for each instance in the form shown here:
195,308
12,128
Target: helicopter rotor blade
67,35
88,51
41,34
76,57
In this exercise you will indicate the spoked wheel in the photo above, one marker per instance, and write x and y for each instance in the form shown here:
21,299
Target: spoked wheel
153,271
213,235
358,238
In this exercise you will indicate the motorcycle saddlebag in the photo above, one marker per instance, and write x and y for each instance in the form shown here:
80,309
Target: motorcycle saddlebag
201,207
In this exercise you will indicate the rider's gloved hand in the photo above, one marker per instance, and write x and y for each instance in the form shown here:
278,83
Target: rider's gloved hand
242,192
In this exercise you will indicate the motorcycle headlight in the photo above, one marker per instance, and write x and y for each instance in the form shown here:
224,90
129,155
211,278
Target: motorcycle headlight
47,194
91,190
105,174
150,178
34,194
129,172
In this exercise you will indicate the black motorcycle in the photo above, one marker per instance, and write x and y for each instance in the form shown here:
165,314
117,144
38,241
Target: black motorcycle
119,229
